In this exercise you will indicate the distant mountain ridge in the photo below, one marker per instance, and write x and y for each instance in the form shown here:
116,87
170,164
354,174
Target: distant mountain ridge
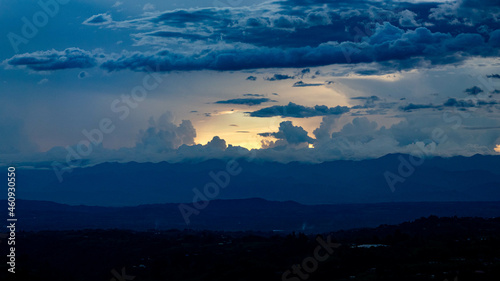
240,215
475,178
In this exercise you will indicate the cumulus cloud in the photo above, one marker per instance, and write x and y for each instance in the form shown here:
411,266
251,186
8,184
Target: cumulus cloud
416,134
288,134
217,143
444,11
326,127
467,11
100,19
407,19
359,139
246,101
360,129
251,78
298,111
163,135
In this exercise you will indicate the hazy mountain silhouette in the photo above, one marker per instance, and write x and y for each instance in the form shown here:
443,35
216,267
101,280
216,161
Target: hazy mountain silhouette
474,178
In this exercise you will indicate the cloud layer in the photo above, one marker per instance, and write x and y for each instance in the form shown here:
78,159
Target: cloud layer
298,111
246,101
294,34
54,60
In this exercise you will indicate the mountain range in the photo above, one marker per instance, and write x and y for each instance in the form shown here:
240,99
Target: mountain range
437,179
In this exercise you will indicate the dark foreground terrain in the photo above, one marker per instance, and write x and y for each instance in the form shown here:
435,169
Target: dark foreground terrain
240,215
425,249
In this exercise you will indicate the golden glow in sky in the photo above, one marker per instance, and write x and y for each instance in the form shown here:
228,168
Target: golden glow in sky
236,129
497,149
231,123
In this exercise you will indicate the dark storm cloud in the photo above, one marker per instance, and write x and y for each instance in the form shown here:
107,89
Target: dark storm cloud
54,60
496,76
373,98
303,84
452,102
298,111
458,103
389,44
412,106
246,101
367,72
301,34
277,77
474,90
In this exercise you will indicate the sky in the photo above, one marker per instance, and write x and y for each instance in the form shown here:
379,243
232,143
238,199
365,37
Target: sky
289,80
